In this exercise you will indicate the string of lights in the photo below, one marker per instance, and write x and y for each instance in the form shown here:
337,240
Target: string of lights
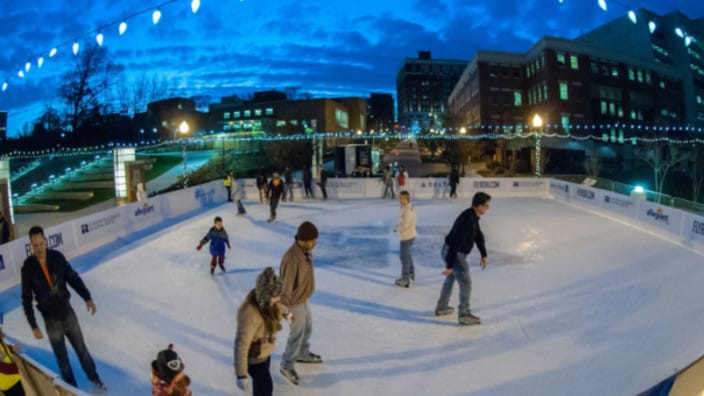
98,34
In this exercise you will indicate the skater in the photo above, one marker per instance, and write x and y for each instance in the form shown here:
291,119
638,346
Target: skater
217,236
262,187
276,192
464,234
227,183
406,229
298,280
454,181
388,182
237,191
307,182
10,380
402,177
4,229
288,179
45,275
167,376
322,183
258,321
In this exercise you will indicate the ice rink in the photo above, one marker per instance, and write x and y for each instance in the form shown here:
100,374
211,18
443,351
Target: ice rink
572,303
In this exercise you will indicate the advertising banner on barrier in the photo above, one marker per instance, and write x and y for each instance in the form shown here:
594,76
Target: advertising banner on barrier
489,186
528,185
619,204
98,228
430,187
60,237
694,231
560,189
660,216
585,194
184,201
346,187
249,189
140,215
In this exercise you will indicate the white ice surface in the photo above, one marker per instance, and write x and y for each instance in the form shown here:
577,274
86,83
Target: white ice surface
571,303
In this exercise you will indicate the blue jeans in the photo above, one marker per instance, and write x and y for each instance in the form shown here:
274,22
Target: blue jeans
407,267
68,327
298,344
460,273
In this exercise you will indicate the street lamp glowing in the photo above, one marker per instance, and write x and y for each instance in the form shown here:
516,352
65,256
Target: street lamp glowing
183,128
537,121
463,130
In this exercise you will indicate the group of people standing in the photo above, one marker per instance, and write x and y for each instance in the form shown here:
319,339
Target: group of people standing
393,175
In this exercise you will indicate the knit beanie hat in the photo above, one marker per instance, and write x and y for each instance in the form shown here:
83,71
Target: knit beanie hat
307,231
167,364
268,286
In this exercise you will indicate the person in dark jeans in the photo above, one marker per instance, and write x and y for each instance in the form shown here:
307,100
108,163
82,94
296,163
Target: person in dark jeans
307,182
288,178
323,181
45,275
276,191
454,181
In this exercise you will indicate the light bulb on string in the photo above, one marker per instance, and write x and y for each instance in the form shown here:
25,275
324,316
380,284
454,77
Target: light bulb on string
156,16
602,4
75,48
4,86
20,74
40,62
27,66
632,16
52,52
687,41
99,39
679,32
123,27
651,26
195,5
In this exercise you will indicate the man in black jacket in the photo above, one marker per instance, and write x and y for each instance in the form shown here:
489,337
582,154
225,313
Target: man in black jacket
44,277
464,234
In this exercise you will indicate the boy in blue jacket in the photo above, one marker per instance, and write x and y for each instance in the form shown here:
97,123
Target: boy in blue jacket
217,236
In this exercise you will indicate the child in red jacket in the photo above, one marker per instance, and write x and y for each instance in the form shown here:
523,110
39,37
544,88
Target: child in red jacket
167,376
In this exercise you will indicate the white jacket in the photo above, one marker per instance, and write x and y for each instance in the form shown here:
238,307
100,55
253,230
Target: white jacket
406,226
236,191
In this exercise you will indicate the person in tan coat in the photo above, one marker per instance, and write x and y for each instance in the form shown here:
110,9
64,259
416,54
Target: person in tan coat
298,286
258,321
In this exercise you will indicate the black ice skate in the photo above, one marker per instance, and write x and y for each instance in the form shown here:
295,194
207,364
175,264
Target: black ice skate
290,375
444,311
310,358
400,282
468,319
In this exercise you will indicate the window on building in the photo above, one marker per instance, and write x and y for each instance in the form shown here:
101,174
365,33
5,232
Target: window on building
564,91
492,71
248,113
595,67
640,76
631,74
293,122
541,61
269,111
619,111
518,98
614,71
634,115
258,112
574,62
662,84
565,121
342,118
560,56
529,70
545,91
612,108
236,114
226,115
604,107
280,123
648,79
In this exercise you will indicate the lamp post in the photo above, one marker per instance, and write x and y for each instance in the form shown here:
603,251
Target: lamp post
183,129
537,124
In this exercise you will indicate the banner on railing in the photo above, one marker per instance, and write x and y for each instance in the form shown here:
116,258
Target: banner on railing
560,189
619,204
346,188
99,228
660,216
694,230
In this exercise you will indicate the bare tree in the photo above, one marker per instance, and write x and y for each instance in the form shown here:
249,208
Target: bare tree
661,156
86,85
592,164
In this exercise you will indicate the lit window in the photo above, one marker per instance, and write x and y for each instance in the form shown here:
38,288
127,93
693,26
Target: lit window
248,113
560,58
236,114
258,112
612,108
604,107
631,74
633,115
566,123
280,123
640,76
518,98
226,115
545,91
294,122
269,111
648,80
662,84
563,91
574,62
614,71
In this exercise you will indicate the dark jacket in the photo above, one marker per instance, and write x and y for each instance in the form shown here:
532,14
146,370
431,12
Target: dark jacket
275,192
52,302
323,179
464,234
218,239
261,181
454,177
4,231
288,176
307,177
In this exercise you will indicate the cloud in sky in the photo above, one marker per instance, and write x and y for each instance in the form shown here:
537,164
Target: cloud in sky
238,47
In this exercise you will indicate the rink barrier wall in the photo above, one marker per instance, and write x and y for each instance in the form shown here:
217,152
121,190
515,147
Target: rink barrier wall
672,223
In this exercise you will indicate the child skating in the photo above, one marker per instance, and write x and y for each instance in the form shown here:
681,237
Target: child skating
217,236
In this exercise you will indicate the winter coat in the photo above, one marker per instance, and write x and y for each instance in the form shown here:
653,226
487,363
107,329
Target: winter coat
401,178
406,226
236,193
454,177
177,387
296,273
288,176
253,343
464,234
9,373
4,231
218,239
52,301
261,182
276,189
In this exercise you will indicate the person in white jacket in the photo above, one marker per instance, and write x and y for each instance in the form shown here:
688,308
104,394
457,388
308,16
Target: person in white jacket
406,229
236,194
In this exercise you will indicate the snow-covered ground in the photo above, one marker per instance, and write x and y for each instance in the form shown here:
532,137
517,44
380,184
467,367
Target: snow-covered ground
571,303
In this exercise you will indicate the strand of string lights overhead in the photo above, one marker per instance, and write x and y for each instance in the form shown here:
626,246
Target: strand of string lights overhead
98,34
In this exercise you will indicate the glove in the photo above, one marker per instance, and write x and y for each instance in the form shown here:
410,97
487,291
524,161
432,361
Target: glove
199,247
228,246
243,384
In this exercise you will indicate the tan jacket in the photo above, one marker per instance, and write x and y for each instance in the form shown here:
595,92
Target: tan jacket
296,273
252,344
406,226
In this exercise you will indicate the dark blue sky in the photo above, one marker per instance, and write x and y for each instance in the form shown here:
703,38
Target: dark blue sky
325,47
